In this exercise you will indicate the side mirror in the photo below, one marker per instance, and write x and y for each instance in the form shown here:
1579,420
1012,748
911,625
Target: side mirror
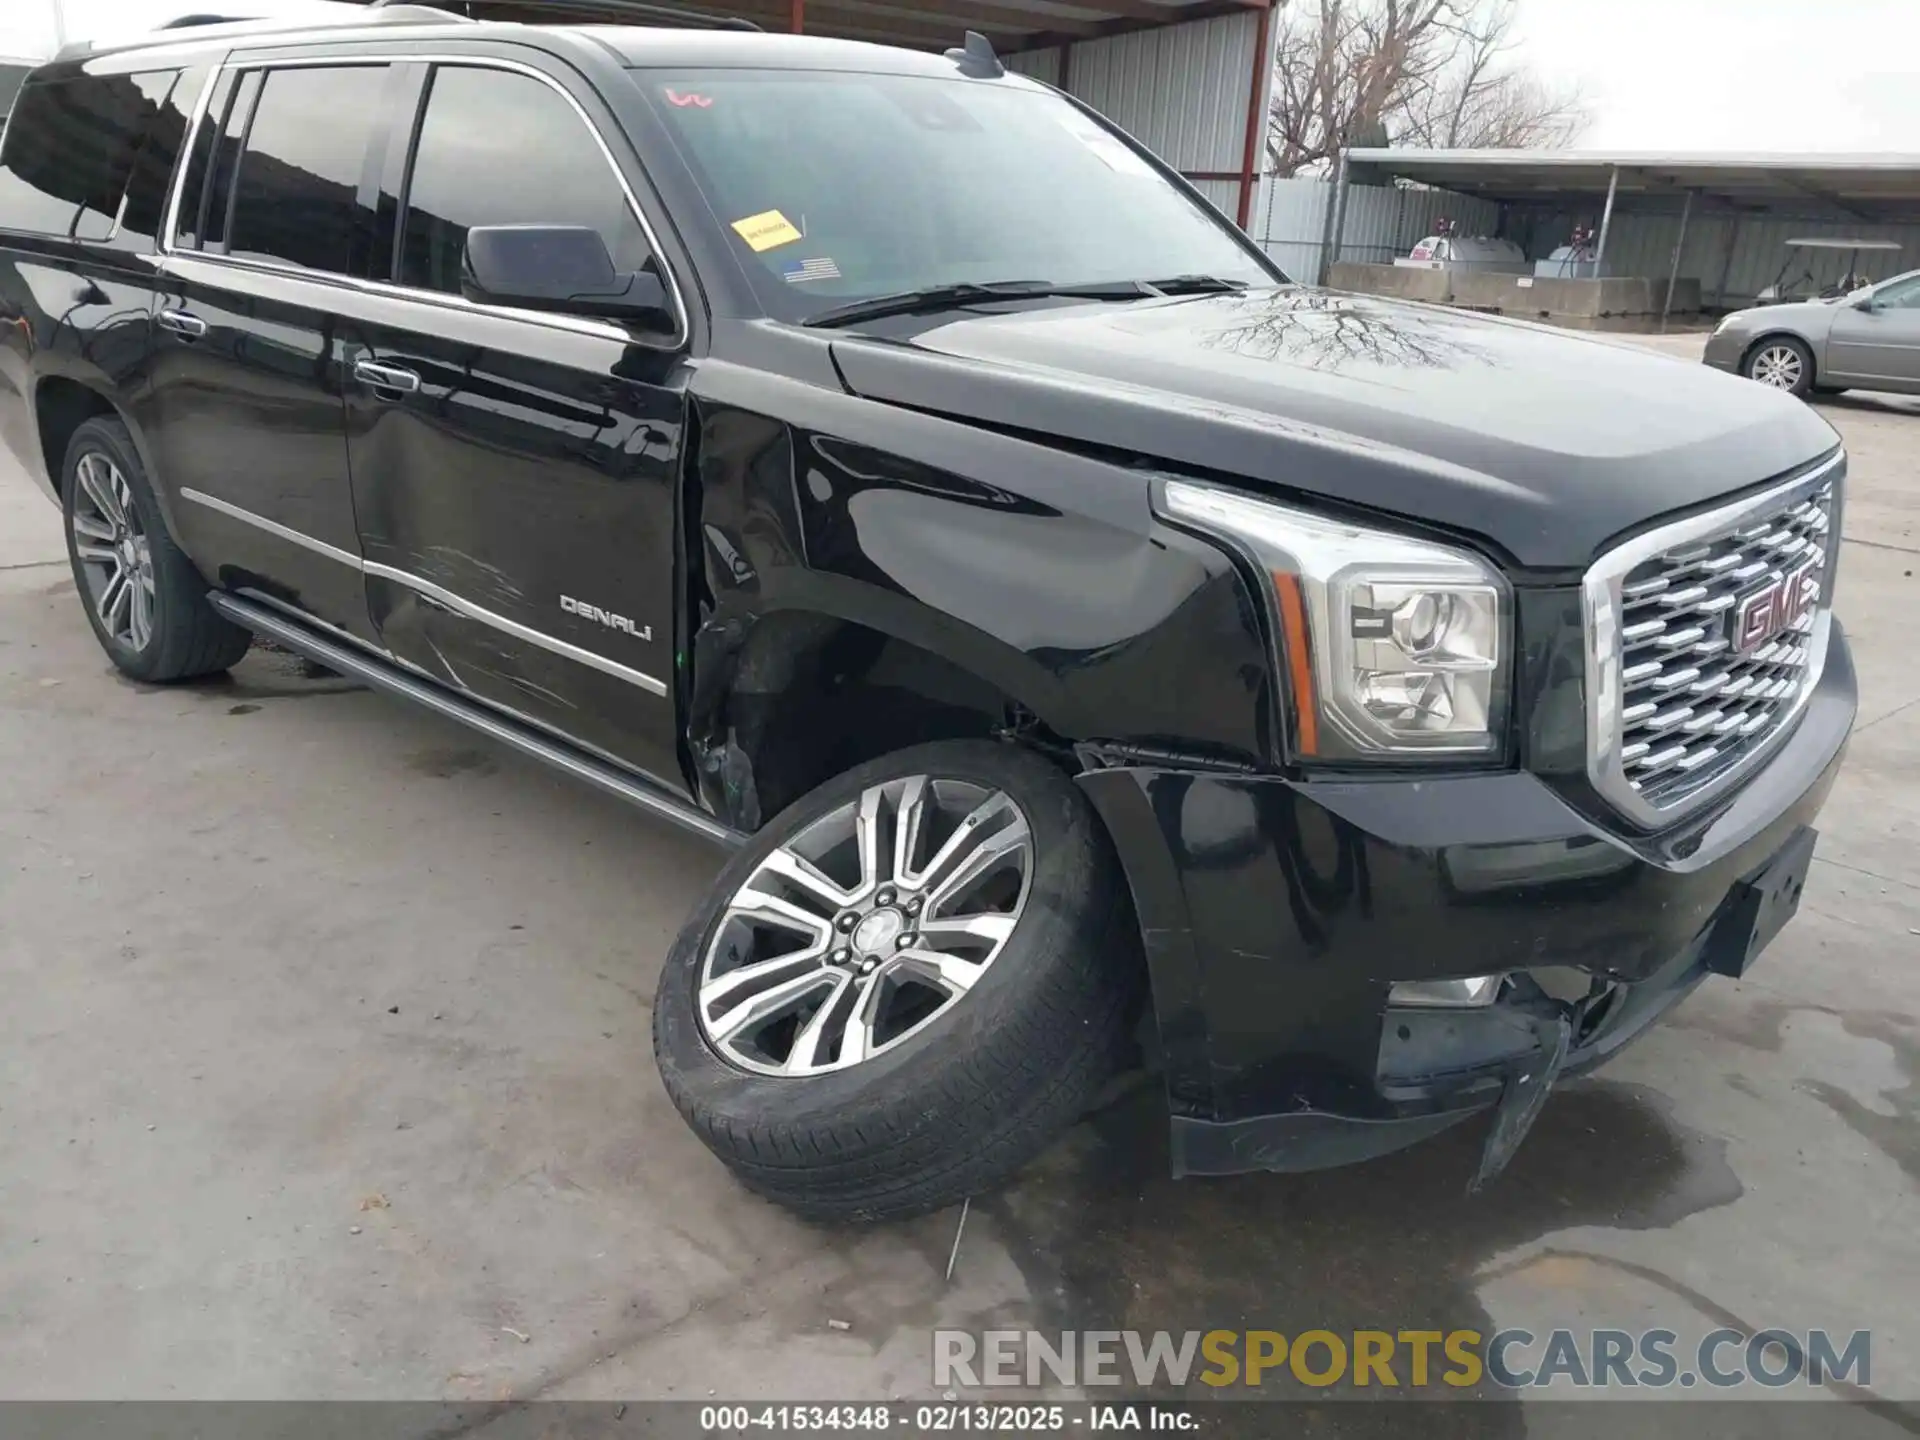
560,268
1866,302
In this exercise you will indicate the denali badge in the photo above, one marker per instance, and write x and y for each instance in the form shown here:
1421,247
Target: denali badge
1776,606
605,617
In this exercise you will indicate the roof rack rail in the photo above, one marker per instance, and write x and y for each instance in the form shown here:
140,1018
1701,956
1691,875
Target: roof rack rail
406,11
399,10
641,9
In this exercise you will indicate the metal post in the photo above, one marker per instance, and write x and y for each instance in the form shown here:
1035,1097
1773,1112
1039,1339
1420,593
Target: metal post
1255,140
1326,233
59,27
1066,67
1673,274
1340,188
1726,261
1606,223
797,16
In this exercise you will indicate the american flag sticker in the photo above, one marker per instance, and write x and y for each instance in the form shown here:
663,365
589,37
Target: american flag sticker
800,271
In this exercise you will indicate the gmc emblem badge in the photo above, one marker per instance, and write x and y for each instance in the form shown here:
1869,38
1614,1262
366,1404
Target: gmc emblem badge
1777,606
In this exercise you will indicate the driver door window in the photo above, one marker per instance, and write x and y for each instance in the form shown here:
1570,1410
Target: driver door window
1880,346
500,148
1900,295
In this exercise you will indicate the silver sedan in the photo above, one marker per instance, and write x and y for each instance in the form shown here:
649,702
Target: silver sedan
1869,340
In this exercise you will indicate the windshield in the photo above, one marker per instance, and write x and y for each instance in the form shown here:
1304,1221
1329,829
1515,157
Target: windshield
841,186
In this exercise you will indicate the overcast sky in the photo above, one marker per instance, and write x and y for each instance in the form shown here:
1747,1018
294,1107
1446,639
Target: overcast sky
1735,74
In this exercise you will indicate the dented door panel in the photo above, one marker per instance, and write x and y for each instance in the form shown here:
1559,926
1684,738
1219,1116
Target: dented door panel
516,509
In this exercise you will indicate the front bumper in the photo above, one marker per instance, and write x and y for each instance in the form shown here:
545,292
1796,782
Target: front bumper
1277,914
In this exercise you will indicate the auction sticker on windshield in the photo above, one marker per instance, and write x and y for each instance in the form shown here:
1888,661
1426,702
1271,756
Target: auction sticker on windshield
767,230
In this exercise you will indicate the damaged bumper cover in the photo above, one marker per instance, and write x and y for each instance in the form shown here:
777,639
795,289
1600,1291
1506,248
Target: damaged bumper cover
1278,914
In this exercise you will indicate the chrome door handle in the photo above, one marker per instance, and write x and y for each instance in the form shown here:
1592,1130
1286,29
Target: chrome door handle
385,377
187,326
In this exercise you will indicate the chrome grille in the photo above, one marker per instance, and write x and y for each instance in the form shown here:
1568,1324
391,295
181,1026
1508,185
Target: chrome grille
1677,706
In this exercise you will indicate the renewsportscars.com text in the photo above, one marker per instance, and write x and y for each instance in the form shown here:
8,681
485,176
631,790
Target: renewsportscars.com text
1401,1359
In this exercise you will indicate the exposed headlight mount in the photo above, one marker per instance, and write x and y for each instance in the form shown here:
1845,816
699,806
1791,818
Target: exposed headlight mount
1471,992
1394,647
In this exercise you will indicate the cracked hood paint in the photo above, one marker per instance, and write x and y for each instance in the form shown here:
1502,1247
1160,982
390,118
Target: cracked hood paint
1545,443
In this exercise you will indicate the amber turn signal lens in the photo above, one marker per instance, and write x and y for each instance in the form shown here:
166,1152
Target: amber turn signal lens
1293,636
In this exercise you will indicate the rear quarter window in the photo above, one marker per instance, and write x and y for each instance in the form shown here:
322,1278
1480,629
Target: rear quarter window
71,146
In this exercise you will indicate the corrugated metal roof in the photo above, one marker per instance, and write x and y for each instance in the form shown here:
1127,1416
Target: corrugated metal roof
1012,25
1867,187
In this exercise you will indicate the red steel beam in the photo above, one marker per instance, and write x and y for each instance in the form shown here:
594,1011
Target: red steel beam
797,16
1262,32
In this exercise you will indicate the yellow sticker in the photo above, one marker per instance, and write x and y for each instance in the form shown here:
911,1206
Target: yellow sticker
766,230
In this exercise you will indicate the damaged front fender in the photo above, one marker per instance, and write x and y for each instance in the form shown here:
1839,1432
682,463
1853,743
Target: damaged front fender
864,586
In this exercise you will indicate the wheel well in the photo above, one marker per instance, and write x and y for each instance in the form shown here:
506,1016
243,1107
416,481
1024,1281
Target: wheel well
60,407
1759,340
811,696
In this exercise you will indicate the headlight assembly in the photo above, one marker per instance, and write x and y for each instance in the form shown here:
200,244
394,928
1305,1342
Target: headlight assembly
1394,647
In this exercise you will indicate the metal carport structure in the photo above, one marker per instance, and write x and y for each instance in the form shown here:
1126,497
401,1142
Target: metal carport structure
1189,78
1725,217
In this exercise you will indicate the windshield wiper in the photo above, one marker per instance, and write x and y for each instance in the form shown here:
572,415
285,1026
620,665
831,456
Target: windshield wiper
953,297
1196,285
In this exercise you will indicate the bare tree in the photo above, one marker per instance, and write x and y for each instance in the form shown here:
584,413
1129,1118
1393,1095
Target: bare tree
1424,72
1479,99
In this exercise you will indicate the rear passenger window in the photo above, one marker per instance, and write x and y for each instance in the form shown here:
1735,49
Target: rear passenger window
70,148
499,148
295,197
152,172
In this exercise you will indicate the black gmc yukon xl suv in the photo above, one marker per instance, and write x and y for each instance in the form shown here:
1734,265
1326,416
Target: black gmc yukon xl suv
1090,644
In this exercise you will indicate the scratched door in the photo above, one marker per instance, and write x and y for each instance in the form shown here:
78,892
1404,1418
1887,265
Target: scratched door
515,475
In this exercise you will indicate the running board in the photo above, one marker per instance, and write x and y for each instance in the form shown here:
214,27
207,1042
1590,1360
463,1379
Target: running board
385,675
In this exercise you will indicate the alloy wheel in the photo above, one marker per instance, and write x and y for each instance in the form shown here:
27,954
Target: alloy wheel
116,558
866,926
1778,366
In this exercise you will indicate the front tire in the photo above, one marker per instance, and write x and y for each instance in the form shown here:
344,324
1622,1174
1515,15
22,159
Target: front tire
905,987
146,602
1781,362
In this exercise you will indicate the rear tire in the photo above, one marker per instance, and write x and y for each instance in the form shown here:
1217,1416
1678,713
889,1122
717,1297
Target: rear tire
1781,362
145,600
956,1101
